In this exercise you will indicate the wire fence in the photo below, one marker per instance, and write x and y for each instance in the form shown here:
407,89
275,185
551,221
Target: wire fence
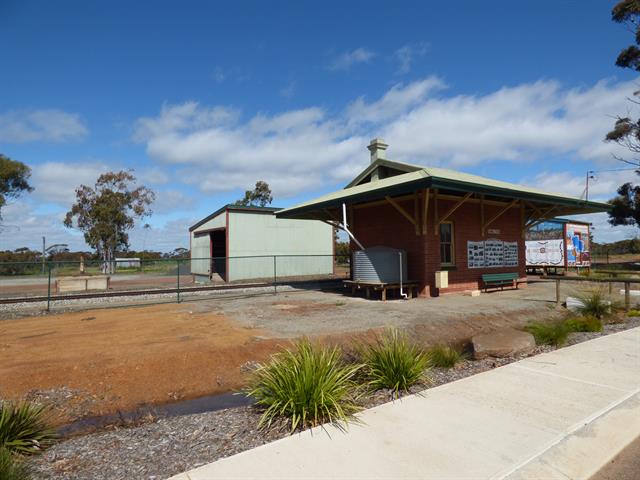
74,283
614,256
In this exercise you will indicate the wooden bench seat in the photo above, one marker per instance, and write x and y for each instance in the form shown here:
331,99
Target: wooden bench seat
499,280
411,288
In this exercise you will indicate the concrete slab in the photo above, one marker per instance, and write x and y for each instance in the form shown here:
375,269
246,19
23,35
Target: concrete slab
499,424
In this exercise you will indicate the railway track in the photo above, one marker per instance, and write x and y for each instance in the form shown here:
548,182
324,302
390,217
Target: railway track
130,293
160,291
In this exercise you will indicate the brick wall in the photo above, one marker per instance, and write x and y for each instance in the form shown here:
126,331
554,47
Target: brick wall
383,225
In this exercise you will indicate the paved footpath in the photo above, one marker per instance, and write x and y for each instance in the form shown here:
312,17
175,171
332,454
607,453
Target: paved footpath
560,415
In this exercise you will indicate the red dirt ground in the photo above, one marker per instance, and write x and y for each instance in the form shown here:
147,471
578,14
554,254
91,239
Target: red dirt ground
127,357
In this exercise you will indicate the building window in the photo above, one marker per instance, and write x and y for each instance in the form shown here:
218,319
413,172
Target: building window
446,244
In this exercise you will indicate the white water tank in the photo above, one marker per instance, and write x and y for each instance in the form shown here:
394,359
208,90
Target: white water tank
380,265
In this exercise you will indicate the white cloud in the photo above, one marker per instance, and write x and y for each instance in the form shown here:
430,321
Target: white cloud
305,149
602,230
395,102
289,90
602,186
406,55
56,182
347,60
21,126
298,149
218,75
515,124
23,227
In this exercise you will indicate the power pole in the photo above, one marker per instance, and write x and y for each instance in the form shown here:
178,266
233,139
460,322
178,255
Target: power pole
586,190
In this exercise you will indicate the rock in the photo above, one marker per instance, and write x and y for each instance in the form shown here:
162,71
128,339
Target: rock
503,342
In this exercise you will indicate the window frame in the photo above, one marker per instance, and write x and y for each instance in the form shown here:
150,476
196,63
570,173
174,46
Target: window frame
451,244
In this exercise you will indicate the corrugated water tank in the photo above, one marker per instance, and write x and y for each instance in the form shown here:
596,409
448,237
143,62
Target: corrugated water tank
379,265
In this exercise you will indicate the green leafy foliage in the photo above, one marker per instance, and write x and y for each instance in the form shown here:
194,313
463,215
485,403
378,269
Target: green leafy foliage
260,196
549,333
14,179
626,131
309,385
594,303
108,210
24,428
12,467
394,362
444,356
633,313
584,324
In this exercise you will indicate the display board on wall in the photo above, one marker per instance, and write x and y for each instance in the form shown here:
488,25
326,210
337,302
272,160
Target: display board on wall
492,253
545,252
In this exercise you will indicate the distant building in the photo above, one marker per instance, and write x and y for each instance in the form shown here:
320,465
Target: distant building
127,262
239,243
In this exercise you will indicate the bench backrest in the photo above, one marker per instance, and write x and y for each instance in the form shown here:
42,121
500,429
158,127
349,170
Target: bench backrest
494,277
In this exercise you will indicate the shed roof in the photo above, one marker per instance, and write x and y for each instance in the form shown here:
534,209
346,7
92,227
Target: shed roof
417,177
235,208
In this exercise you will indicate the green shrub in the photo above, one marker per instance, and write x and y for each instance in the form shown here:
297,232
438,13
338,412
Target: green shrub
584,324
12,467
444,356
594,303
633,313
24,428
394,362
549,333
309,385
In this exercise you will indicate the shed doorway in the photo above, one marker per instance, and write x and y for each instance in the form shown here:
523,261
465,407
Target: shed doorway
219,253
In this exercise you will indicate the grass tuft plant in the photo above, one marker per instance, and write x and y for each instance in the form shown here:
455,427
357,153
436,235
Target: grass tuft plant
594,303
633,313
394,362
549,333
444,356
24,428
584,324
309,385
12,467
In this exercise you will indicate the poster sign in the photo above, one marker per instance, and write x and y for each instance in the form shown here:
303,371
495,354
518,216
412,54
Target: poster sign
577,245
492,253
545,252
475,254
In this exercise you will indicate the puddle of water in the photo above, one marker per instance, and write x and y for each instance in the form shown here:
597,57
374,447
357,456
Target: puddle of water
209,403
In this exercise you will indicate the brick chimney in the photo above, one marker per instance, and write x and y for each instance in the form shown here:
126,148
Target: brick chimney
377,148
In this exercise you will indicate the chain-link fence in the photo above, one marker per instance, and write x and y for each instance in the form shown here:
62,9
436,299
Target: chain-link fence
133,280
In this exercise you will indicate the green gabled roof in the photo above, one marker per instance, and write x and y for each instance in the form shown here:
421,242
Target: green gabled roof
234,208
403,167
441,178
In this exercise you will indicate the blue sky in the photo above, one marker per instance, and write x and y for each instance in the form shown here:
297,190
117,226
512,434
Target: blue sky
203,99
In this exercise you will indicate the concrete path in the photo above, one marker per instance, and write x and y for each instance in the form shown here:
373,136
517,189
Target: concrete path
560,415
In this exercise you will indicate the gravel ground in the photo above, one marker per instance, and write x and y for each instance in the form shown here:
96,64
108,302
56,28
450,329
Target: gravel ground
169,446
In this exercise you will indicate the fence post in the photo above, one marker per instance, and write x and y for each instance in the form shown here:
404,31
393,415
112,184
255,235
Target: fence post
557,293
49,289
627,299
275,276
178,279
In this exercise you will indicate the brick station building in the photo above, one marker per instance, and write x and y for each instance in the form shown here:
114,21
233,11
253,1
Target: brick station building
445,220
